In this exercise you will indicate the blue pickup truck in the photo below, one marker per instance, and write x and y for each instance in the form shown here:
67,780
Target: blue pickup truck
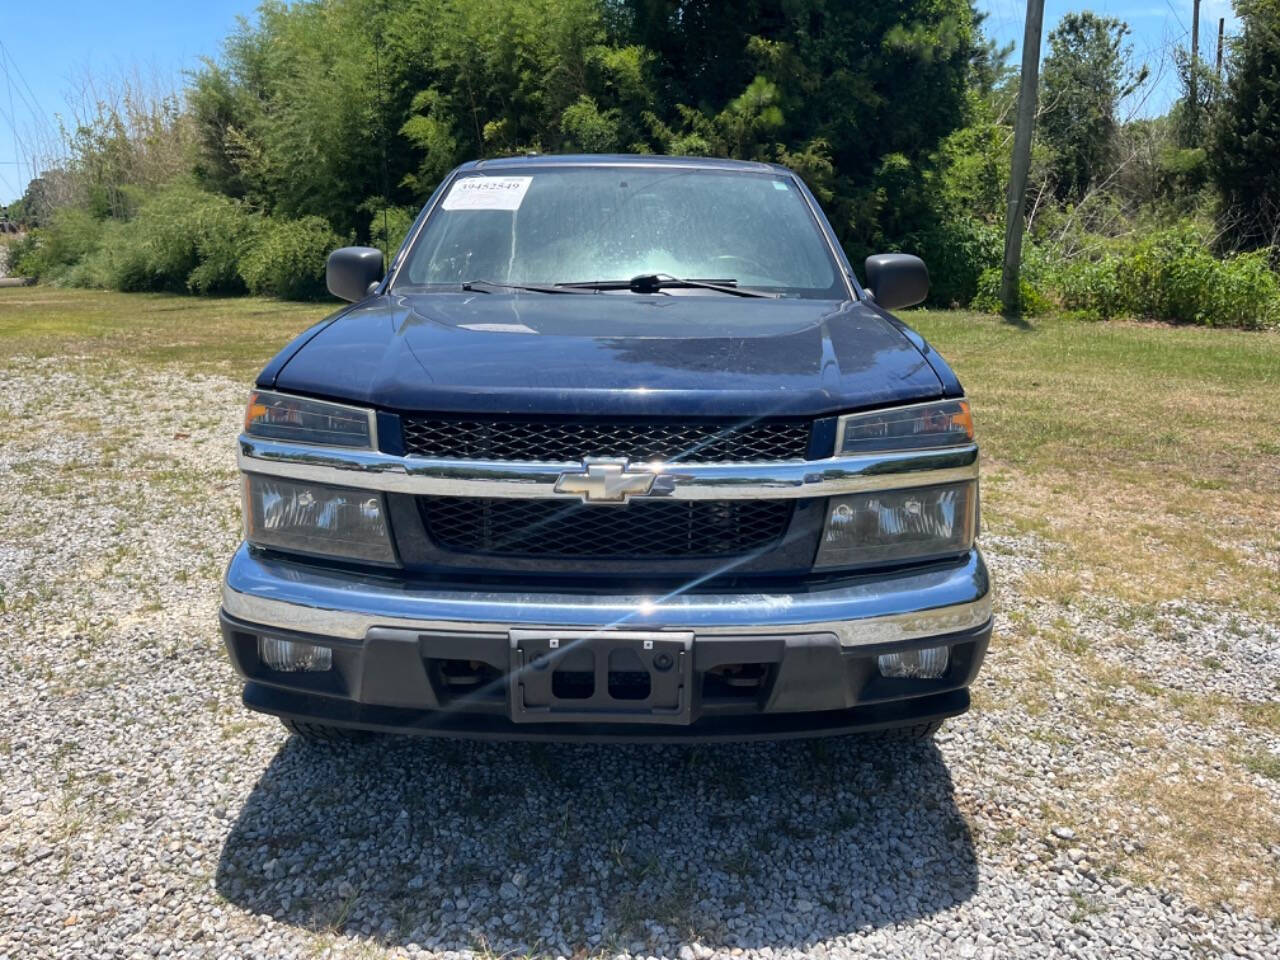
615,448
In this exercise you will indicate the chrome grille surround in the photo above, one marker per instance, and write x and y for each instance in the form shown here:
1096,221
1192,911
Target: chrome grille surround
375,470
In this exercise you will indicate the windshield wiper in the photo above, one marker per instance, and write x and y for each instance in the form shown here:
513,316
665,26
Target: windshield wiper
653,282
488,286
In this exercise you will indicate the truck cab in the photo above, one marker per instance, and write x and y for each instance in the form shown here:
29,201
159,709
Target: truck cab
613,448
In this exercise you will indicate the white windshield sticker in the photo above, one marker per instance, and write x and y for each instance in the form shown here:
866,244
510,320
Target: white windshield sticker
487,193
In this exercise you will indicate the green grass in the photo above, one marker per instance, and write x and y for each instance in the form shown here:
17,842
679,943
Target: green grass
1062,393
1264,765
230,335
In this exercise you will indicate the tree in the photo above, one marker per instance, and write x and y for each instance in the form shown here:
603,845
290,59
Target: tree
1246,143
295,116
1086,75
1201,94
292,119
858,97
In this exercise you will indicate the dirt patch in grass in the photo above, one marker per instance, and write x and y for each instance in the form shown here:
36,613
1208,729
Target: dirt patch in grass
1198,821
1145,540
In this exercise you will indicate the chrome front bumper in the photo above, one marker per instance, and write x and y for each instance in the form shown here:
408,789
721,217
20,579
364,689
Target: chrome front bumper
864,611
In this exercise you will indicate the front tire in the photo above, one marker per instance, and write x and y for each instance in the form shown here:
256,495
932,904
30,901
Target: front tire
323,732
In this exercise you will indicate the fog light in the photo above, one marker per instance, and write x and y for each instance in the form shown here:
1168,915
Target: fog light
927,663
290,657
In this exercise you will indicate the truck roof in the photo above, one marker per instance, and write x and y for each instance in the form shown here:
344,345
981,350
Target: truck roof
622,159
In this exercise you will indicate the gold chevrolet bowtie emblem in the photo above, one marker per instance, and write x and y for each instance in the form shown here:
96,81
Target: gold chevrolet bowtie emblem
605,481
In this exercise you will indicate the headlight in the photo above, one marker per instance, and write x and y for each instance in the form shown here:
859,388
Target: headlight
897,525
317,519
921,426
278,416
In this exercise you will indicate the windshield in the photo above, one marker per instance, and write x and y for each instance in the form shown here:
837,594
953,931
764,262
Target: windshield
581,224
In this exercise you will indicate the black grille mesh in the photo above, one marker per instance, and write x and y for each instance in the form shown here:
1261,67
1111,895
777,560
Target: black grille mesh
649,529
571,440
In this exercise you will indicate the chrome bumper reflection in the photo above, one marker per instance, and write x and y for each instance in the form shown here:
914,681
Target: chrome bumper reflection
892,607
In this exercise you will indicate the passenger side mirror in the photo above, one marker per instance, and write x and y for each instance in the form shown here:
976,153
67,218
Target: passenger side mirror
352,272
897,280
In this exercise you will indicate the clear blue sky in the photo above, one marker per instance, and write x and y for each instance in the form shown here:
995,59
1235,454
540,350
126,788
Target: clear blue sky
55,44
52,47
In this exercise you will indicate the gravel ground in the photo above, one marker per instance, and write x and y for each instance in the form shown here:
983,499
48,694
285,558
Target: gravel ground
145,813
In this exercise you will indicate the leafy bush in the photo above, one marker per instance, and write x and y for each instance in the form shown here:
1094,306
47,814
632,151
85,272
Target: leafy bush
1245,293
49,252
1172,275
388,226
16,250
115,264
957,252
289,257
188,240
587,128
222,232
7,242
182,239
1031,300
1091,287
1166,275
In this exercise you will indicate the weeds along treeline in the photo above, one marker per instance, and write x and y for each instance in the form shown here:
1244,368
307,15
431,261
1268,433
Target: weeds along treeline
331,121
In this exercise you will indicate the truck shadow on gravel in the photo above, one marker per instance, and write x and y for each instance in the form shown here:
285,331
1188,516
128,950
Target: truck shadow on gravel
552,849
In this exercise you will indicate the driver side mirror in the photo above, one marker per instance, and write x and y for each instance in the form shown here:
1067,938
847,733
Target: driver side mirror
897,280
352,272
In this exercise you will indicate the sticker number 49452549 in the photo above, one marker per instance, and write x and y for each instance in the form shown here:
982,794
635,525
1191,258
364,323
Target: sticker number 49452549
487,193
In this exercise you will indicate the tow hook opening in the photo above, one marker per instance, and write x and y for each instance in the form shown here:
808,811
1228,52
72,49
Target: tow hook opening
461,676
735,680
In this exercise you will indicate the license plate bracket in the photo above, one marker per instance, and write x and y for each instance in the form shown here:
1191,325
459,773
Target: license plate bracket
607,676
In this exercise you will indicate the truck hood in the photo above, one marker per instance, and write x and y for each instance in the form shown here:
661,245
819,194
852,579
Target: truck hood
611,355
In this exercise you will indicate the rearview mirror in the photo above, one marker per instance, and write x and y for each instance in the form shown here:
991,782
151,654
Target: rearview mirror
352,272
897,280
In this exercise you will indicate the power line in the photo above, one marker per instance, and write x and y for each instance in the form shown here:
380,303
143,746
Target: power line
1177,17
29,100
8,80
32,104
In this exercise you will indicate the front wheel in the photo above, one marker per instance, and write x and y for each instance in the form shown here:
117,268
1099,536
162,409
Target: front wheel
323,732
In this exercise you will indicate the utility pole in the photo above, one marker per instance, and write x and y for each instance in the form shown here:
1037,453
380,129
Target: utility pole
1028,91
1222,23
1195,56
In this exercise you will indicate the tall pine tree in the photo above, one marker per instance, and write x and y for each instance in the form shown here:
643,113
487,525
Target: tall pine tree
1246,145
